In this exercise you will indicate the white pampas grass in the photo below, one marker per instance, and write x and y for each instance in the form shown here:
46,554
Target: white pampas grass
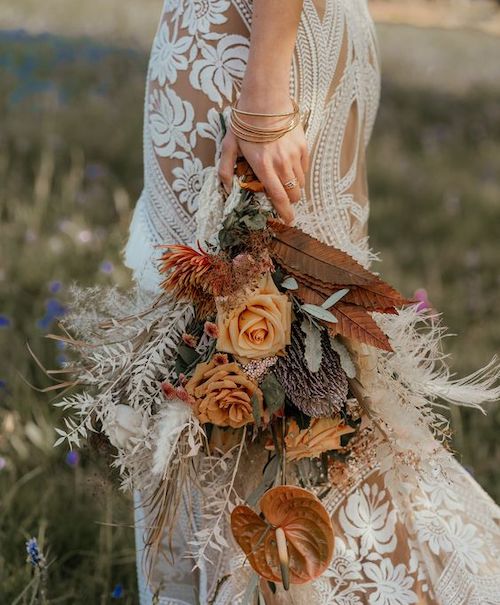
420,364
171,422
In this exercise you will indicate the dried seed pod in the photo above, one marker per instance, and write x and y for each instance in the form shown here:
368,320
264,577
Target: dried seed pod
317,394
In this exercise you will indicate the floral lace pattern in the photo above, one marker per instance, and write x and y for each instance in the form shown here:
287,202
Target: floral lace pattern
435,541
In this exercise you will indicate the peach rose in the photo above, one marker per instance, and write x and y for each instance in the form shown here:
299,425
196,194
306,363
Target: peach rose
222,393
258,328
322,435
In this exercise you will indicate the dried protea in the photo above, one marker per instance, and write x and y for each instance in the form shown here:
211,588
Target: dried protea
317,394
191,275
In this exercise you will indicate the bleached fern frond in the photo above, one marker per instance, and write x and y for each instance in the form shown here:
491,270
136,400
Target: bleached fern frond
125,347
217,476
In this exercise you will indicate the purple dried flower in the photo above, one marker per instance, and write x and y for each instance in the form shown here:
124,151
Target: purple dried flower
317,394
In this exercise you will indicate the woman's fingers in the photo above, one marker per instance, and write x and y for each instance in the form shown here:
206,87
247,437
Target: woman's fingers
274,189
304,159
291,185
279,198
229,153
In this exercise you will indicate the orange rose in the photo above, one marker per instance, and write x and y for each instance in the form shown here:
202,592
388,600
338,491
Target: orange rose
322,435
223,394
258,328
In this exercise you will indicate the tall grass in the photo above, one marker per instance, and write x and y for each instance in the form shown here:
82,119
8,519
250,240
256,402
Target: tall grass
71,168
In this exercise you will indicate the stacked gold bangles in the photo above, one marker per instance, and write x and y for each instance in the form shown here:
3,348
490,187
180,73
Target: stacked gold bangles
261,134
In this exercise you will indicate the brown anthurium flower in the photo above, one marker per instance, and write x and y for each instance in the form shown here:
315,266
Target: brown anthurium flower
293,542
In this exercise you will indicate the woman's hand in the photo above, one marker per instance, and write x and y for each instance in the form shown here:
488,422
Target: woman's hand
265,89
274,164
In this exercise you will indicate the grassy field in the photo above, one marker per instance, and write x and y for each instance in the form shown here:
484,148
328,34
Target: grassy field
71,169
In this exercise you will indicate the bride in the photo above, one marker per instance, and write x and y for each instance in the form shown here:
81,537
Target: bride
399,538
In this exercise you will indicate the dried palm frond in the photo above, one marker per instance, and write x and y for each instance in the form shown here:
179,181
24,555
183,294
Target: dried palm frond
317,394
325,269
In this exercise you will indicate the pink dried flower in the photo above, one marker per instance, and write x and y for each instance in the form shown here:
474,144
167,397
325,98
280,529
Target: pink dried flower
423,300
242,260
220,359
211,329
183,379
169,390
182,394
190,340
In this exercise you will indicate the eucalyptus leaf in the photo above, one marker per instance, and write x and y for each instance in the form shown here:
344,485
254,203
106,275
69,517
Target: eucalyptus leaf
319,313
256,409
274,394
313,349
334,298
268,479
255,222
290,283
345,357
186,357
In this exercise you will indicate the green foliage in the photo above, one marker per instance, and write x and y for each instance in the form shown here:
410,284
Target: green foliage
274,395
246,218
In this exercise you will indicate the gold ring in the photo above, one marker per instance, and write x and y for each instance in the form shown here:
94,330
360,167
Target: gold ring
291,184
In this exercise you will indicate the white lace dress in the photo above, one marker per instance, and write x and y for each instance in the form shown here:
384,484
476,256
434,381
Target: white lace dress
400,539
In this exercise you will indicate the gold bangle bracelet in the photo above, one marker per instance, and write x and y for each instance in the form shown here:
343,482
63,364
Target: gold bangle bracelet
263,134
261,130
263,137
260,136
266,115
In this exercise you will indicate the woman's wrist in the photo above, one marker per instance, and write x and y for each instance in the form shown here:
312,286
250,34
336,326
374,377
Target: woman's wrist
269,95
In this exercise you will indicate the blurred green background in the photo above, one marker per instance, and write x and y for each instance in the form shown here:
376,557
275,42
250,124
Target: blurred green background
71,101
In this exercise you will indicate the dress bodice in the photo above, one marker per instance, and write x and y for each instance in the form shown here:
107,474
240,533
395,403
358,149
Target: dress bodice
197,62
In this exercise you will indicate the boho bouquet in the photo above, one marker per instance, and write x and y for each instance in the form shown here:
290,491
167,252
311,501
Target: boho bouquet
260,339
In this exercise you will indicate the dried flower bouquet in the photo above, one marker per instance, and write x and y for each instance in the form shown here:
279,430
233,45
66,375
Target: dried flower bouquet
262,335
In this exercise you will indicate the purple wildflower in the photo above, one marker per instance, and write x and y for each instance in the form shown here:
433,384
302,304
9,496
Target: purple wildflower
117,592
53,310
35,555
55,286
423,300
3,463
73,458
94,171
5,322
106,266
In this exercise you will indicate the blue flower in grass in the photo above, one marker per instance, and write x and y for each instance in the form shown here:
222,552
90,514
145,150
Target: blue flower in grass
53,310
73,458
35,555
5,322
55,286
117,592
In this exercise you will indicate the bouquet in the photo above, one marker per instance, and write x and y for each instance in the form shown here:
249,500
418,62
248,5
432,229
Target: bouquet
260,338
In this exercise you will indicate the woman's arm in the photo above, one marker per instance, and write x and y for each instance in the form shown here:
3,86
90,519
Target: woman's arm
265,89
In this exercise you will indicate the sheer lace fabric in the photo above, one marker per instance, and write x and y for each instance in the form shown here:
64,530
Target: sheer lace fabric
434,541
